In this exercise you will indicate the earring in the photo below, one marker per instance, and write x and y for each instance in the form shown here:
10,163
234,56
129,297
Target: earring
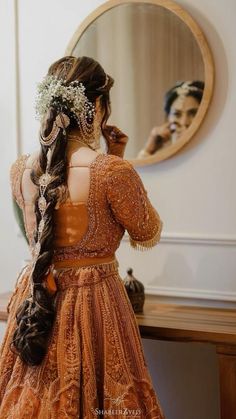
97,124
93,140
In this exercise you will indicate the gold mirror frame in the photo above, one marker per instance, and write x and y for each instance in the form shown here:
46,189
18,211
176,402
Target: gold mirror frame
207,60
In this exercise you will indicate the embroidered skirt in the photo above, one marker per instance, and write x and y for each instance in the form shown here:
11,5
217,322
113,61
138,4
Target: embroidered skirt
95,365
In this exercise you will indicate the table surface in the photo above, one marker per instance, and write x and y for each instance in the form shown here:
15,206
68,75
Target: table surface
187,323
175,321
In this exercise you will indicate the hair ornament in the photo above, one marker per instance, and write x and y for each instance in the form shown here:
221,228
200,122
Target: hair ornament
44,181
105,84
56,92
185,88
68,99
62,121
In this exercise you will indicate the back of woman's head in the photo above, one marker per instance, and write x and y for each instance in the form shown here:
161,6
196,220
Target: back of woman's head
83,70
67,99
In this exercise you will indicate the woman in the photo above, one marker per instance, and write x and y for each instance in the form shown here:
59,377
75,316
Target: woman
181,104
72,348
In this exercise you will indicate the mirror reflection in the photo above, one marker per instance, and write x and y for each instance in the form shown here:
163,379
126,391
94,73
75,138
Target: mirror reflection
158,70
181,104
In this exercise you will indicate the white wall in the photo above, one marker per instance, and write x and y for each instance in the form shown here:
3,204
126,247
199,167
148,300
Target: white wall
193,191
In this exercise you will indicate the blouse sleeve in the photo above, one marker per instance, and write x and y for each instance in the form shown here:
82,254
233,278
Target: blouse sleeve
131,206
16,172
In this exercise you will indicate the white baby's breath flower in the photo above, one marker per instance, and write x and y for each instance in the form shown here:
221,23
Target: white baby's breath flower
72,97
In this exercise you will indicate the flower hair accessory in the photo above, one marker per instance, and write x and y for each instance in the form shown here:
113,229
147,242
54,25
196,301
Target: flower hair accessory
55,91
67,98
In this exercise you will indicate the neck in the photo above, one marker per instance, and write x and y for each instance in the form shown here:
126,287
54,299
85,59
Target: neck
76,140
75,136
74,143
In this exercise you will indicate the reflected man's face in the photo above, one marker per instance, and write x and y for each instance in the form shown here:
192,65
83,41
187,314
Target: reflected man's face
182,112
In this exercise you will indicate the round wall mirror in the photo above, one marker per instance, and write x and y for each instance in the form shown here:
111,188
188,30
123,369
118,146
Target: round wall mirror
163,73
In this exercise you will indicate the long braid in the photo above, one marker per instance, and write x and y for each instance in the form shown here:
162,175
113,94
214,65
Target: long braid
31,336
36,314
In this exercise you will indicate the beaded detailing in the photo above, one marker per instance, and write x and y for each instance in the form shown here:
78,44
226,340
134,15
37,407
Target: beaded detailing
16,173
95,357
117,201
62,121
147,244
103,234
71,276
131,205
68,99
111,210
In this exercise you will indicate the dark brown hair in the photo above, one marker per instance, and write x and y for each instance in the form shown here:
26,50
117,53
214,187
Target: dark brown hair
31,337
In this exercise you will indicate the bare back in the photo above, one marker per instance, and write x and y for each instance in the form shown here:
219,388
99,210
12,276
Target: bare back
79,161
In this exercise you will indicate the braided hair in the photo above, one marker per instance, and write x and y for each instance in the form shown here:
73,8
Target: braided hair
35,316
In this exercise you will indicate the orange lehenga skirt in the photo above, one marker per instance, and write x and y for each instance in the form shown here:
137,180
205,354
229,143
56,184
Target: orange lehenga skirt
95,365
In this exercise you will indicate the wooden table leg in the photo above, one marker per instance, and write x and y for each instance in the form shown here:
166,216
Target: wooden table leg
227,373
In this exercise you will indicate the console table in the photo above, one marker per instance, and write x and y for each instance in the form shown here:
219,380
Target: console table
182,323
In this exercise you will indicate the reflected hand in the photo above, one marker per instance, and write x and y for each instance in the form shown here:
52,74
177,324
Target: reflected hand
157,137
176,131
162,131
116,140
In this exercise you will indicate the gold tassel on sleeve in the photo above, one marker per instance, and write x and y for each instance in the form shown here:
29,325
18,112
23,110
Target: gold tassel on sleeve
147,244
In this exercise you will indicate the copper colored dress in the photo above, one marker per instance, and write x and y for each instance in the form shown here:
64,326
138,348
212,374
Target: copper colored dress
95,365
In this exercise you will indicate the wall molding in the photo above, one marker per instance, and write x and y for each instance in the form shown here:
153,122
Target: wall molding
192,293
194,238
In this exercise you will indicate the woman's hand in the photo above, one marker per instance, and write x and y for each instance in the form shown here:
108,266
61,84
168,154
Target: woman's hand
116,140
